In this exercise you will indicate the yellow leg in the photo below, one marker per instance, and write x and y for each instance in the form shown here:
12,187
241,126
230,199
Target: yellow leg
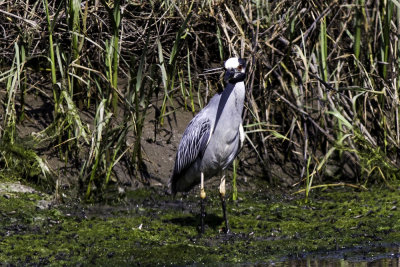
222,186
202,192
202,204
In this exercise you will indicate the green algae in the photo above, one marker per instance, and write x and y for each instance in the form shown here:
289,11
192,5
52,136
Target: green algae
150,228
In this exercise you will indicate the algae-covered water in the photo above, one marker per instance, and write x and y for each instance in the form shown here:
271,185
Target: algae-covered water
335,227
371,256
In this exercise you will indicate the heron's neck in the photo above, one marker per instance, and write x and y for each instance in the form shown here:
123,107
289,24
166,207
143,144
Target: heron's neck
230,106
237,95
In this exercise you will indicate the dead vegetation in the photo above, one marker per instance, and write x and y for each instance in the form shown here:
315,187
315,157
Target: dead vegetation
322,100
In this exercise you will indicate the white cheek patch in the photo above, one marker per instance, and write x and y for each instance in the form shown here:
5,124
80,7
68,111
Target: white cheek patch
232,63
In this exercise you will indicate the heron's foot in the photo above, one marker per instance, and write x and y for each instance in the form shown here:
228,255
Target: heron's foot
226,232
226,229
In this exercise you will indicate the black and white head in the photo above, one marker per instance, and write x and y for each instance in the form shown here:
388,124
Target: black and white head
235,70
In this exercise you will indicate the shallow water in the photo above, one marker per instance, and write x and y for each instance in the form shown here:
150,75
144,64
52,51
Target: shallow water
385,256
149,228
386,262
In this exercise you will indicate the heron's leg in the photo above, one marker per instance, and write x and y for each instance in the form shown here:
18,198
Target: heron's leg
202,200
222,195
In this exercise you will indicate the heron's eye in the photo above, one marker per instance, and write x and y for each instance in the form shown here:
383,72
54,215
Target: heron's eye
239,68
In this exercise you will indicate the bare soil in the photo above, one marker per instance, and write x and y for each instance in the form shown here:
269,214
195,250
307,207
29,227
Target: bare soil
270,224
159,143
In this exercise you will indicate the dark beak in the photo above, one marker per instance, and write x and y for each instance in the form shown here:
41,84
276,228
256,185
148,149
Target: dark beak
229,74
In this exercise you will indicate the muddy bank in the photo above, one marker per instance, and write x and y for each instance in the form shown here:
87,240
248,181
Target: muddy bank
148,227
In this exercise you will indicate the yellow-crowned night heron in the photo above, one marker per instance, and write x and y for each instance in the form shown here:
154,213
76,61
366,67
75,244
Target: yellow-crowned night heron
212,139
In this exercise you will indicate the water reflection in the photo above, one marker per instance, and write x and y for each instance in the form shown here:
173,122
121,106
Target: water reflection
385,256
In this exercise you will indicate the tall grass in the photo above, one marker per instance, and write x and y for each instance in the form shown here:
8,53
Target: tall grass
322,98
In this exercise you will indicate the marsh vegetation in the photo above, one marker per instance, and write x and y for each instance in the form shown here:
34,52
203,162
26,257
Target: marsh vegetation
149,228
322,99
94,96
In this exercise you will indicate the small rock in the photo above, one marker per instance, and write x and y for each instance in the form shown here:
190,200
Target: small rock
6,196
43,204
121,190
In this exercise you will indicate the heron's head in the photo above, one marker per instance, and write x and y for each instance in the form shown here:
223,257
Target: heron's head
235,70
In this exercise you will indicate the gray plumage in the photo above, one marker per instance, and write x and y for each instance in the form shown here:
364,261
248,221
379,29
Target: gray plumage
214,136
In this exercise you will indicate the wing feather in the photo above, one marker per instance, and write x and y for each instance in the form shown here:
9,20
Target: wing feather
192,146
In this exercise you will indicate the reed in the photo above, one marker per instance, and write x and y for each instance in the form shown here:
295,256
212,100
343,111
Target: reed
234,181
322,98
169,70
13,79
140,99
